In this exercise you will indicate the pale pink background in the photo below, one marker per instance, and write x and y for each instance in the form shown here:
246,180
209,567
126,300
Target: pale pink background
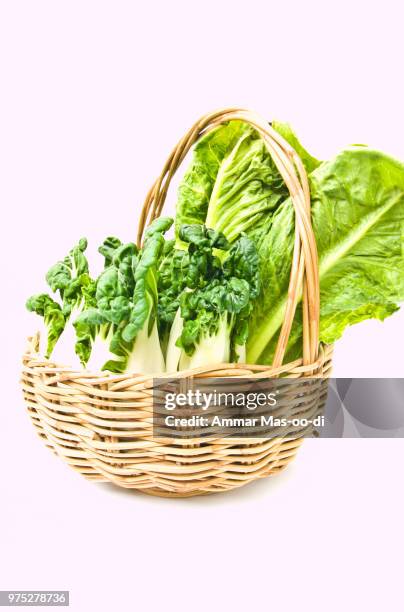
94,95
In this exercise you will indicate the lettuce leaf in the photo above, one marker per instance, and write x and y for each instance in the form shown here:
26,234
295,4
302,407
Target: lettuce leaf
232,184
285,130
358,219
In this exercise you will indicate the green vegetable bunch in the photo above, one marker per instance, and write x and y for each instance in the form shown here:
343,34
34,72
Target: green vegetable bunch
156,308
233,186
217,292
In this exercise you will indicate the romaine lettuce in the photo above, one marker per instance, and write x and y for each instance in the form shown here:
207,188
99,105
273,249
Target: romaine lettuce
357,212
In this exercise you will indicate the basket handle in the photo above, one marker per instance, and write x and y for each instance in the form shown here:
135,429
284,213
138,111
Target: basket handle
304,277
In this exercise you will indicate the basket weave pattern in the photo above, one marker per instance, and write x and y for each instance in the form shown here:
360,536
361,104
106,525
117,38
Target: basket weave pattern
102,423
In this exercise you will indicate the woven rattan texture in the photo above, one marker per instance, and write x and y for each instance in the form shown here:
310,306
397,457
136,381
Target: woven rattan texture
101,425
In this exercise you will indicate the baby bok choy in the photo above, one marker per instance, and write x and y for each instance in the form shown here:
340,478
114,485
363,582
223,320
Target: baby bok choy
220,283
120,333
68,279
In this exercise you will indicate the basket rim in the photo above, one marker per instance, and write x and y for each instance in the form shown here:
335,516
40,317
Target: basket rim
33,359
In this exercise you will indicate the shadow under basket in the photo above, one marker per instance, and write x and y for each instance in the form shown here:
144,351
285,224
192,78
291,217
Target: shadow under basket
101,424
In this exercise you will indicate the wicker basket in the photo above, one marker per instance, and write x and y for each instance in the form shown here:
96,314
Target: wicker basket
101,424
